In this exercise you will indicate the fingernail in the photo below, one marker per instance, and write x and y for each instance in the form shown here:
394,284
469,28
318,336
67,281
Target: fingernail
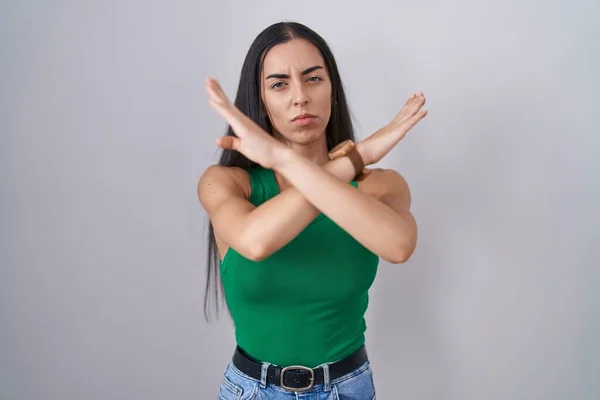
412,95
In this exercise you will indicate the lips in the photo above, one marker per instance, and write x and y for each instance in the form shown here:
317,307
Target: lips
302,116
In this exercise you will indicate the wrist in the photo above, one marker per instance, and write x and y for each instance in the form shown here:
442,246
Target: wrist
363,149
284,156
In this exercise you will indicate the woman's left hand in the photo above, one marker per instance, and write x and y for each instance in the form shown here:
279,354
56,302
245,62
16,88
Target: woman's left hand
252,141
376,146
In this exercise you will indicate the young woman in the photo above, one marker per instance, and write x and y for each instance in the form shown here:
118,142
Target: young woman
297,222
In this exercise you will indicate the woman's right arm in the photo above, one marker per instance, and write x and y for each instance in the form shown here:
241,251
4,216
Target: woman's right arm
258,232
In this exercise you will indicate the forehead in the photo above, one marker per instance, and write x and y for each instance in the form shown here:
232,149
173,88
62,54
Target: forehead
297,54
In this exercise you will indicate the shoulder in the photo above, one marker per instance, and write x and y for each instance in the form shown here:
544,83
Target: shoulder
384,183
218,181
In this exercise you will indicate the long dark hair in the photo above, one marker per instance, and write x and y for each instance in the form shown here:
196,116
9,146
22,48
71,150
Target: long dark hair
248,100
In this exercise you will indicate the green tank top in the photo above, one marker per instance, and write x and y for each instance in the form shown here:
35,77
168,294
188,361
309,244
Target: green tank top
305,304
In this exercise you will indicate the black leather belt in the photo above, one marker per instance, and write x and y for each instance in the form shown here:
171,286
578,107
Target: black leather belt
297,377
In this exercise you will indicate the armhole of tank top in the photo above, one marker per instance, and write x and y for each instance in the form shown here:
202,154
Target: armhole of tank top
253,186
223,268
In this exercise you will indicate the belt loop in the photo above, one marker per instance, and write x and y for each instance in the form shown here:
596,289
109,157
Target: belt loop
263,374
326,382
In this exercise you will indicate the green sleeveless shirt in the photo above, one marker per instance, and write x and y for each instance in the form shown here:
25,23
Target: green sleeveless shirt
304,304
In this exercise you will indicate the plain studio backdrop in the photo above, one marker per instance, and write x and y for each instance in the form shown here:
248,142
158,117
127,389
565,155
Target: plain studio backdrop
105,128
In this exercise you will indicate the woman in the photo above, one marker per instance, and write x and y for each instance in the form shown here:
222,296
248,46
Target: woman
298,225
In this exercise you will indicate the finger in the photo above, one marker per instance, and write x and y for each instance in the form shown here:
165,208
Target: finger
418,116
408,101
219,100
215,92
232,115
416,103
239,122
412,121
228,142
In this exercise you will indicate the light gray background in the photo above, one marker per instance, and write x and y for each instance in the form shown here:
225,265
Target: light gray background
105,129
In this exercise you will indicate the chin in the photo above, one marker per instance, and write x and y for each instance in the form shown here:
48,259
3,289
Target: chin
302,135
315,130
308,135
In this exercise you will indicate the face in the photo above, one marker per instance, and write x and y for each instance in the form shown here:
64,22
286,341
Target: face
295,81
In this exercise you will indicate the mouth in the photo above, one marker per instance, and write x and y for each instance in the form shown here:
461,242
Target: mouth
303,116
303,119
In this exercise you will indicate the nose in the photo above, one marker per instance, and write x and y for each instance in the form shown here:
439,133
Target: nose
300,97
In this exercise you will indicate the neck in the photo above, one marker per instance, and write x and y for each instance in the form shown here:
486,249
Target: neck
315,151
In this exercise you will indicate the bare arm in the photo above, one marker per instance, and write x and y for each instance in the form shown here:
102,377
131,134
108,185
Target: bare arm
388,231
258,232
374,223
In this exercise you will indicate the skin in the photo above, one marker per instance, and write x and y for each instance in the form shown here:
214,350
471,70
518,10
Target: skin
285,98
298,155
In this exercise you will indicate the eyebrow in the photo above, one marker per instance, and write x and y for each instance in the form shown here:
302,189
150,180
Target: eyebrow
285,76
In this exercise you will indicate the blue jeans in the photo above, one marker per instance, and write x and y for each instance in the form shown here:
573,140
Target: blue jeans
356,385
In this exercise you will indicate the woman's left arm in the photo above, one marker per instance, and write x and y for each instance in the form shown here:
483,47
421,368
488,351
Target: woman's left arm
383,224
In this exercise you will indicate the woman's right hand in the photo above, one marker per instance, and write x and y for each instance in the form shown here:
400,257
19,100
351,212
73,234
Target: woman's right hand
250,140
376,146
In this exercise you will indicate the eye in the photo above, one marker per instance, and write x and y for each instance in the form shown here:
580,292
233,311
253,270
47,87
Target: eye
315,78
277,85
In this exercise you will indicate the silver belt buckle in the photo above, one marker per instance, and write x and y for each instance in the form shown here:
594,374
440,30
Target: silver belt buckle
304,389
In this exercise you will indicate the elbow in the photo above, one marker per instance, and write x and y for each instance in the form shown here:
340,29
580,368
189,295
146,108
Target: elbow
399,258
256,254
253,249
402,252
